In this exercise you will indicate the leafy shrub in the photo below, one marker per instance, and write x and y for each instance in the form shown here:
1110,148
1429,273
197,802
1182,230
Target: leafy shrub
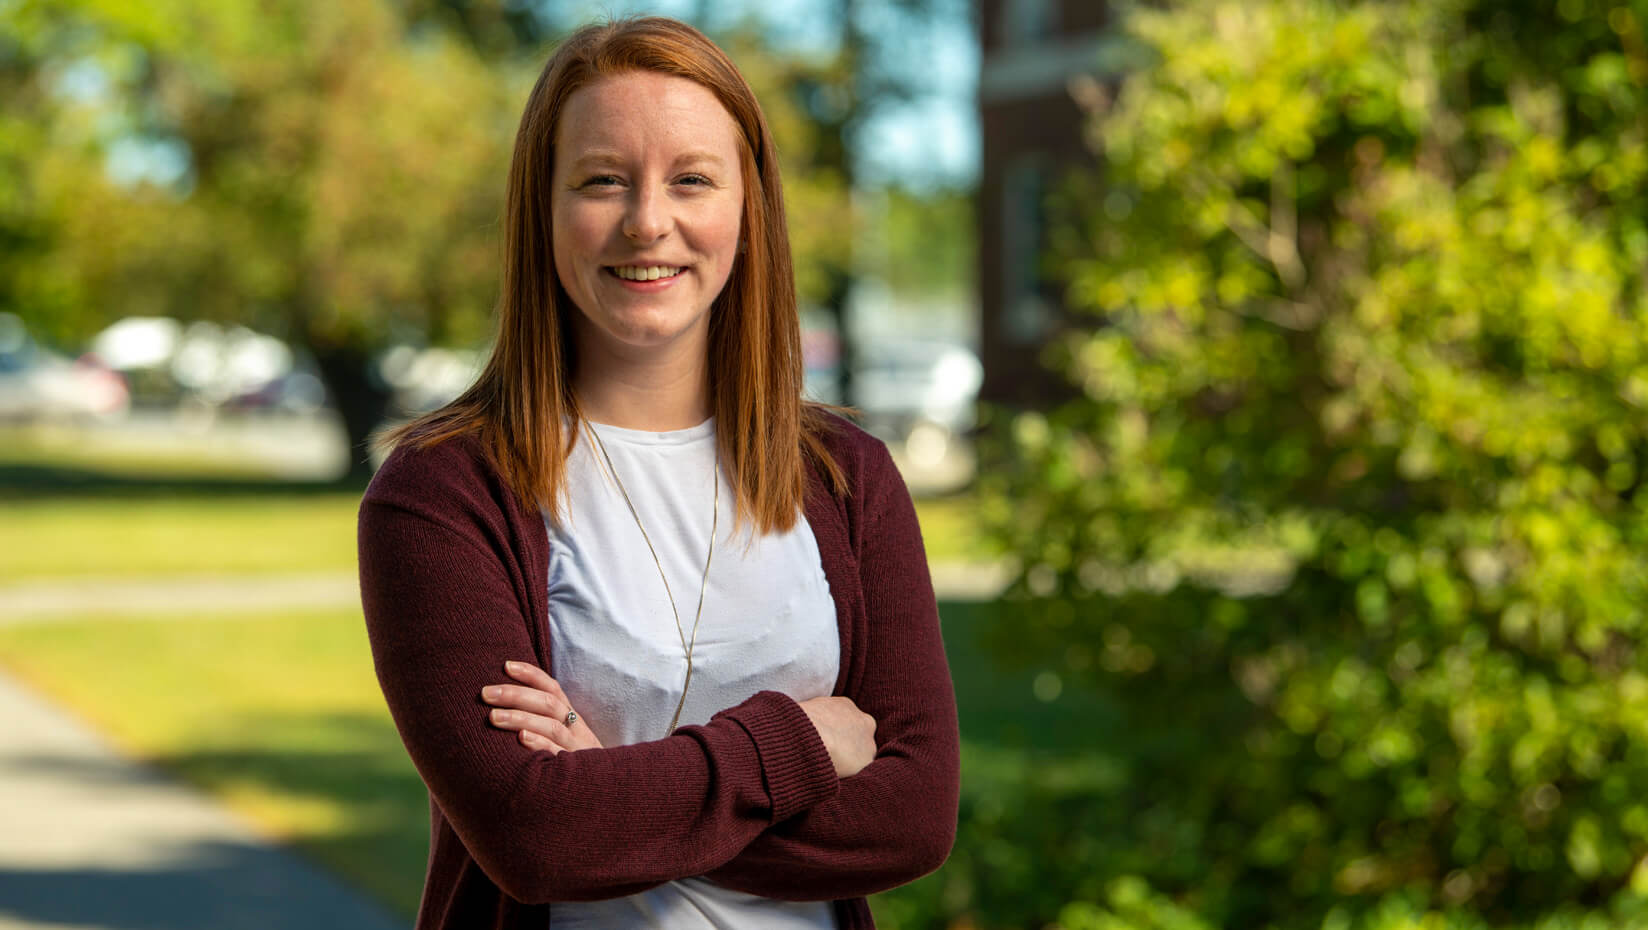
1348,512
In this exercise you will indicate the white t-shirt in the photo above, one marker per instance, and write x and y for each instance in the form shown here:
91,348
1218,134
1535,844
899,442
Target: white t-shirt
768,624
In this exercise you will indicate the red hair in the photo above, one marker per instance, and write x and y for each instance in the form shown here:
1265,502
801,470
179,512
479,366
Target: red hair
523,406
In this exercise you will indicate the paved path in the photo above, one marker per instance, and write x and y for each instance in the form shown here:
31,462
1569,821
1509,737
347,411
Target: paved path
92,841
59,597
52,598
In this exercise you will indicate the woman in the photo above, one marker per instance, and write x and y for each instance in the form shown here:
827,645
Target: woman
750,721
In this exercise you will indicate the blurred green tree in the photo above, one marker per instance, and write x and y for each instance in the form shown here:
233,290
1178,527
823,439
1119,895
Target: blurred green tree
1348,512
817,200
310,170
922,243
880,56
331,172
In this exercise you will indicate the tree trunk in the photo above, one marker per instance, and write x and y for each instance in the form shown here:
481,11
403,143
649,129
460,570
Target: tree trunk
362,400
835,303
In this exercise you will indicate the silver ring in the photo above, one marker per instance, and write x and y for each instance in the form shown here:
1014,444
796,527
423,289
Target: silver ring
571,717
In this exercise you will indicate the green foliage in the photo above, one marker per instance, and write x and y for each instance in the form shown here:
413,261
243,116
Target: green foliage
920,244
1347,512
1132,906
816,202
343,164
330,172
338,180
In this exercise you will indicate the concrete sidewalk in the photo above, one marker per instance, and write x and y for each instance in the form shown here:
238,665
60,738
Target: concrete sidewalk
183,596
92,841
60,598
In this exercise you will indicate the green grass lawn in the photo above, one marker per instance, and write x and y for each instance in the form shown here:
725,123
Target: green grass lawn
280,716
950,529
181,534
175,455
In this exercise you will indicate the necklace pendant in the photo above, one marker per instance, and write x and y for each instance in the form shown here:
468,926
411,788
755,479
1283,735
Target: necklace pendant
703,583
681,704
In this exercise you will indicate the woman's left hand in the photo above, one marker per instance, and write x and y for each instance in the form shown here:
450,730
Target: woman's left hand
537,709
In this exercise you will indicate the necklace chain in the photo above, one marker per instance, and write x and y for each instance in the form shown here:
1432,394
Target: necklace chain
687,645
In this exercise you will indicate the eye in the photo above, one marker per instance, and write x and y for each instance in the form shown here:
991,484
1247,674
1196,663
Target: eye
601,180
695,180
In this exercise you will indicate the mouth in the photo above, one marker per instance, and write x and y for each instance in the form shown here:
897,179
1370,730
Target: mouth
645,273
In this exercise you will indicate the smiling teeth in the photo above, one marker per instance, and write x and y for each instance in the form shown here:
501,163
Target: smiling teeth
646,273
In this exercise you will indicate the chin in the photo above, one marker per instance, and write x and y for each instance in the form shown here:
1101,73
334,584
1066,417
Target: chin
652,337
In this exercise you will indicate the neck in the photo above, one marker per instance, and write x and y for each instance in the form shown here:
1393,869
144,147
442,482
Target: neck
653,396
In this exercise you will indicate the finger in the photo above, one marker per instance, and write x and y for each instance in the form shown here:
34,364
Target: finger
552,729
532,700
532,740
533,676
547,727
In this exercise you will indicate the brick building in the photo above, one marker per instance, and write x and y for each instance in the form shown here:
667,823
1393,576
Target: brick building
1032,127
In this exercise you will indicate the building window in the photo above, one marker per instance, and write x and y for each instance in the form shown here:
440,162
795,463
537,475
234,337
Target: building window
1027,308
1026,22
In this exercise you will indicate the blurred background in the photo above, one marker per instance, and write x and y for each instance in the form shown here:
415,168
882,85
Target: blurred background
1270,375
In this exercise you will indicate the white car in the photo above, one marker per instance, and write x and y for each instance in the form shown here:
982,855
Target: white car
37,384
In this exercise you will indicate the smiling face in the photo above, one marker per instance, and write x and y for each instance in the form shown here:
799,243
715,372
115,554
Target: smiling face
647,207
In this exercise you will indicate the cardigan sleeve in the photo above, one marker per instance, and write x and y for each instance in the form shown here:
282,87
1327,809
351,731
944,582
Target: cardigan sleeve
895,820
445,605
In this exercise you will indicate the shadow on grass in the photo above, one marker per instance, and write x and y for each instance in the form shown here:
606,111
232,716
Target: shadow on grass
219,886
360,806
35,482
1004,705
1039,782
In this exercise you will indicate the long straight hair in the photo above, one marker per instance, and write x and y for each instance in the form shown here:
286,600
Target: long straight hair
523,407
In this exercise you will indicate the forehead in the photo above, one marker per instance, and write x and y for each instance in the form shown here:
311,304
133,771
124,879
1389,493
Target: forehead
641,113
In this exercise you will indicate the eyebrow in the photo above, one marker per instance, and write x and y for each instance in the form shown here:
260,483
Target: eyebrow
603,157
698,156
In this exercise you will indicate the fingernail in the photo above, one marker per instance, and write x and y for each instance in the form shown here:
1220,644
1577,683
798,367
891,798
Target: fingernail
499,716
511,667
492,693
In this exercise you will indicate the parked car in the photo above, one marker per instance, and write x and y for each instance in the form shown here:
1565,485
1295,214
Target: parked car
211,367
918,394
37,384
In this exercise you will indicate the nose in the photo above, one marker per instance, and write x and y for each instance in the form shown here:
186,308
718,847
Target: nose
647,219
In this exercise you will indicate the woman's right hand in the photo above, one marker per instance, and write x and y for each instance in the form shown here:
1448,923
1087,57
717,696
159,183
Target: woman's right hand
848,733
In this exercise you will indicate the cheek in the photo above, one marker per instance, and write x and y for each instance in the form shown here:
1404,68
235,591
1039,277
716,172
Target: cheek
726,229
563,267
573,232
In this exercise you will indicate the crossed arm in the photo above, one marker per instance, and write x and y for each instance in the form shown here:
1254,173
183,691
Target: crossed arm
892,820
751,800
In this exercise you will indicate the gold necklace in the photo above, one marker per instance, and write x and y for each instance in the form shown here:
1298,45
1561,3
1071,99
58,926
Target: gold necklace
715,520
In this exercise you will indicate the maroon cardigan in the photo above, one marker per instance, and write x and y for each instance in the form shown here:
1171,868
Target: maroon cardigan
454,577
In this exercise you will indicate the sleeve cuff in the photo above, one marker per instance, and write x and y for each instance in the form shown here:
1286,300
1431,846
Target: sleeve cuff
795,766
